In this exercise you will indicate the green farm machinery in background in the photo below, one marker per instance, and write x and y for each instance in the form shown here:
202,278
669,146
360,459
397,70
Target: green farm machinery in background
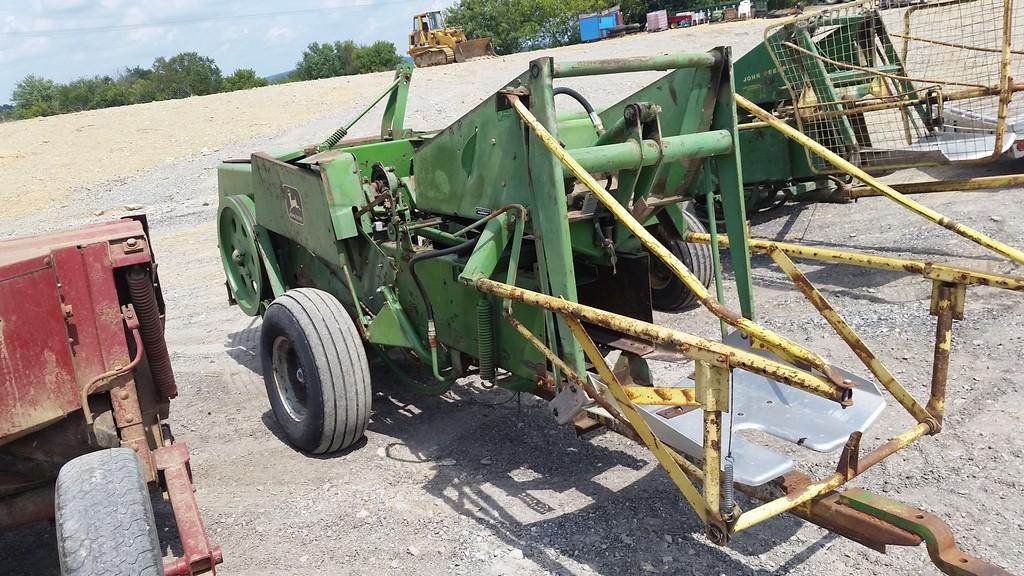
883,89
529,249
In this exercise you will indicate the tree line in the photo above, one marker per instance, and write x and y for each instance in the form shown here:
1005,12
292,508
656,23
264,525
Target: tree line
186,74
518,25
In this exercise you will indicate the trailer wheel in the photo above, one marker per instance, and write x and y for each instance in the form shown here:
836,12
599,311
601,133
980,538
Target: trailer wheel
668,293
104,517
315,369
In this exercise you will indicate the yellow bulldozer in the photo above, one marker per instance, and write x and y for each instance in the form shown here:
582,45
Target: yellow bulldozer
431,43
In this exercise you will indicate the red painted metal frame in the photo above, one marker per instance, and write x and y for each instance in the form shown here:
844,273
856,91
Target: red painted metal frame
198,556
60,320
62,325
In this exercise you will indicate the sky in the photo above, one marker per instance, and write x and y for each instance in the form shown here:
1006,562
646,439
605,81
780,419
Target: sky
67,39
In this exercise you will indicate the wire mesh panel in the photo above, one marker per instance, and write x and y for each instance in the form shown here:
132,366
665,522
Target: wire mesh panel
894,83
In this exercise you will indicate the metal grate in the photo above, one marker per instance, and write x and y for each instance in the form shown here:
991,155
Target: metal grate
890,86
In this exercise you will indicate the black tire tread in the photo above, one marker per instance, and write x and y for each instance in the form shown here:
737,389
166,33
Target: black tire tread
104,517
697,258
341,364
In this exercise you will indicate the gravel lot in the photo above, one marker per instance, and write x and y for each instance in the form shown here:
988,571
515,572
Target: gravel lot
479,482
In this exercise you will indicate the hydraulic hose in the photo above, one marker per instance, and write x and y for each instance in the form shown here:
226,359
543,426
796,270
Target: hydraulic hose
594,118
143,296
431,330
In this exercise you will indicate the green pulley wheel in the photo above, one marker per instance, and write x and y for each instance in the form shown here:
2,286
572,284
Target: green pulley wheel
238,252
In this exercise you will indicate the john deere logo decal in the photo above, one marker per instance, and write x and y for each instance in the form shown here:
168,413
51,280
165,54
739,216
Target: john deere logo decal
294,203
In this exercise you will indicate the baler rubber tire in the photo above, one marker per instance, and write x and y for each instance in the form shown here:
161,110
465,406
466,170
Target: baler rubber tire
308,340
675,296
104,517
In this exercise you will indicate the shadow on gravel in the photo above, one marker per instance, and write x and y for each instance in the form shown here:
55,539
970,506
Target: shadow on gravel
500,460
30,550
504,463
243,346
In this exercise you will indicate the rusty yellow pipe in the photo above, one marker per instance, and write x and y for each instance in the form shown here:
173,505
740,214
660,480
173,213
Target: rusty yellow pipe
774,341
666,457
713,393
844,165
980,183
943,345
859,347
815,489
654,396
691,346
930,270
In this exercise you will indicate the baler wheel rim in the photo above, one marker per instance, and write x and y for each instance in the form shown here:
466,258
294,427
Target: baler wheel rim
239,253
289,379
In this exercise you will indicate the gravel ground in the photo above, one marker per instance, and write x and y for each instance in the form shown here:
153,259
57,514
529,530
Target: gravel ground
481,482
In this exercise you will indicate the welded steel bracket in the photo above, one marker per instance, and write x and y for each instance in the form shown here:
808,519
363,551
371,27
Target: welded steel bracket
936,534
198,556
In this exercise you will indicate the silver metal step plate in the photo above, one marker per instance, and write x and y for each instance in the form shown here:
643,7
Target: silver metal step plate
963,146
776,409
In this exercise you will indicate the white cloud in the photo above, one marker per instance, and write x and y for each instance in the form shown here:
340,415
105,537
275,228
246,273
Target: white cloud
278,35
28,47
58,5
268,45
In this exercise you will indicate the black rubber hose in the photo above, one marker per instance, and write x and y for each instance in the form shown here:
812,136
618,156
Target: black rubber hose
151,329
575,96
594,118
457,249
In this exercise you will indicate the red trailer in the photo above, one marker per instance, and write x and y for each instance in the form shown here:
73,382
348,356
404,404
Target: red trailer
85,384
681,20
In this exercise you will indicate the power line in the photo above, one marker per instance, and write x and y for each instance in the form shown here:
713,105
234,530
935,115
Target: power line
185,21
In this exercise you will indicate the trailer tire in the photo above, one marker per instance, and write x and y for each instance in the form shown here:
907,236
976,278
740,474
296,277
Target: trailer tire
315,370
668,293
104,517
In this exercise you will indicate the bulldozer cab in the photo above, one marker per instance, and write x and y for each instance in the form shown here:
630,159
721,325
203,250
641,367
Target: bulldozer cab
423,25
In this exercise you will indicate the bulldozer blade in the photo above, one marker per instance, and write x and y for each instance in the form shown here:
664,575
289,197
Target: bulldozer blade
476,48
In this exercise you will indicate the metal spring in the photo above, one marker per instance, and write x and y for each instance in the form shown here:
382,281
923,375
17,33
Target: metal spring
485,339
728,488
143,297
333,139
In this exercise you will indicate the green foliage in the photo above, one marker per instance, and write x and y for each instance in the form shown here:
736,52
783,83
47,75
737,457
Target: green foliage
518,25
326,61
34,96
376,57
343,58
92,93
184,75
187,74
243,79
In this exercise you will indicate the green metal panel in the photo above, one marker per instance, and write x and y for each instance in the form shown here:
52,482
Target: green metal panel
758,79
767,157
290,201
730,181
477,164
396,153
234,179
551,224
